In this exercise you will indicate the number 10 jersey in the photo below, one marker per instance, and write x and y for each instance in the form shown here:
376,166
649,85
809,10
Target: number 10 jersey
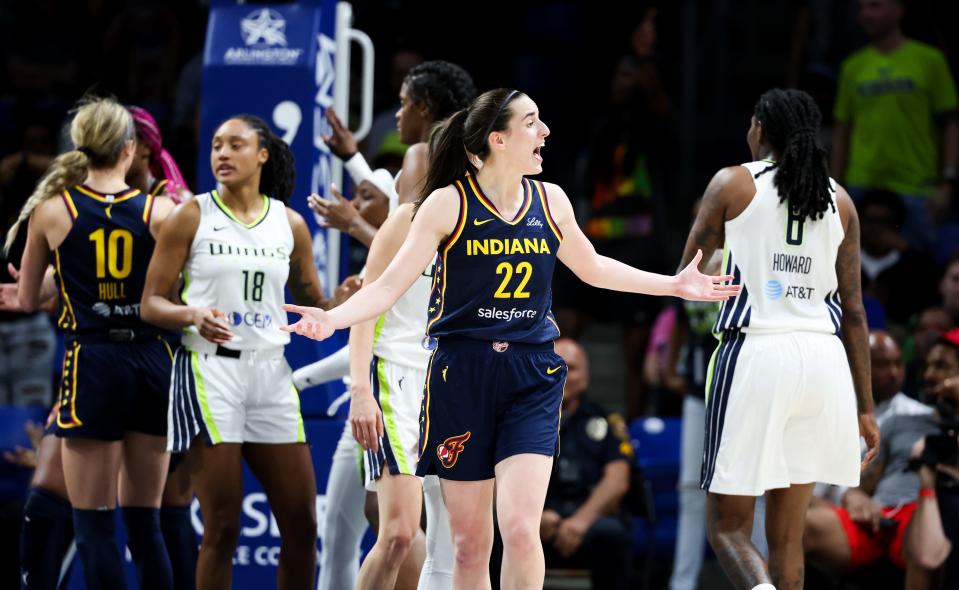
240,269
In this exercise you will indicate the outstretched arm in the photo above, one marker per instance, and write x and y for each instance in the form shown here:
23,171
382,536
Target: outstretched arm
577,253
435,220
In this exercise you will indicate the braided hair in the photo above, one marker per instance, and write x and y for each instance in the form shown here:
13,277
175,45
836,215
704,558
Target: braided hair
278,176
790,121
442,86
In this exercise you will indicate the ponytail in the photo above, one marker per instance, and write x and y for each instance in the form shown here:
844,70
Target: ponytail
67,169
100,129
463,135
448,159
790,121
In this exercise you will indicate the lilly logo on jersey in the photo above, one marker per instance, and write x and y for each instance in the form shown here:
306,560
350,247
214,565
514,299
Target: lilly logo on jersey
253,319
533,222
774,289
449,450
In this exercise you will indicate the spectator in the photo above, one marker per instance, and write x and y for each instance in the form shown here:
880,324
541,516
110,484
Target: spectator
949,288
581,525
900,278
626,205
896,101
871,522
932,321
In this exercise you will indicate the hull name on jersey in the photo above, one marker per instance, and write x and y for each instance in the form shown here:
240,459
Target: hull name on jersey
495,247
111,290
509,315
792,263
224,249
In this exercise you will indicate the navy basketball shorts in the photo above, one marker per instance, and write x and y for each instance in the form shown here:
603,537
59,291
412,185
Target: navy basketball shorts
485,402
109,388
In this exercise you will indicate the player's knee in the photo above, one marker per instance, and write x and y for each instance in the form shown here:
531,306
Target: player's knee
472,549
397,541
300,530
221,531
520,536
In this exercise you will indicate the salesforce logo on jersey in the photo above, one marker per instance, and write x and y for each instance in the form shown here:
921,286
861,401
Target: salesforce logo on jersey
276,36
253,319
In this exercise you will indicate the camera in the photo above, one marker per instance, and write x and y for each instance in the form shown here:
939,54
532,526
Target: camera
942,448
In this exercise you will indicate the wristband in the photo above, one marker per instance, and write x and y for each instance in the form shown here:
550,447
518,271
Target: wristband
358,168
927,493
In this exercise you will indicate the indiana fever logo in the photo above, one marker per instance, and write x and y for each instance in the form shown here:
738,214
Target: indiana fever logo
449,451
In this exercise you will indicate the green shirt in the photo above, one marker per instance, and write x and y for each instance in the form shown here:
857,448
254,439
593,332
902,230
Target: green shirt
891,100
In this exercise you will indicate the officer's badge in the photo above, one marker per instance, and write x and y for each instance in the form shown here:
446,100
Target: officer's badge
597,428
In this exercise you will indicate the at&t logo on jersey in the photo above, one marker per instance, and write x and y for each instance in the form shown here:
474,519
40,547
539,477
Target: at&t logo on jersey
253,319
449,450
774,289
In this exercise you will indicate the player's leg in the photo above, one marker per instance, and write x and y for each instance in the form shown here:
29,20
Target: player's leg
825,541
343,521
470,506
142,478
47,528
399,500
218,477
785,516
176,524
729,525
90,470
286,473
521,482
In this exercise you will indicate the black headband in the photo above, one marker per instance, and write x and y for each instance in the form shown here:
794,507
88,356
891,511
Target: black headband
89,153
489,128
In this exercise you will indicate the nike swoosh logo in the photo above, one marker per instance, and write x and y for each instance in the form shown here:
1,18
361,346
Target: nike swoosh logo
553,370
220,228
478,222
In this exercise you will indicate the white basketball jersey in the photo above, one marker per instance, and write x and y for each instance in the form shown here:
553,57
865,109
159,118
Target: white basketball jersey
786,265
240,269
400,330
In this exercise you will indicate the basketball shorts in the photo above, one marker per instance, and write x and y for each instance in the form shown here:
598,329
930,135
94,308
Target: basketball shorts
109,387
232,396
485,402
781,410
399,392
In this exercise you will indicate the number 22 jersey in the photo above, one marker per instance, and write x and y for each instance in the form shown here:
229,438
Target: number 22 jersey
240,269
492,276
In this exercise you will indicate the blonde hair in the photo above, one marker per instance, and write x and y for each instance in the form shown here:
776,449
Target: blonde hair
100,129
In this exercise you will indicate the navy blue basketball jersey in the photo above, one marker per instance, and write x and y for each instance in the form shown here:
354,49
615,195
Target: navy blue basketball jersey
493,275
102,264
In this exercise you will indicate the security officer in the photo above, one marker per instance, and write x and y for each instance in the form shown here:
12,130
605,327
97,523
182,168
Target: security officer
582,524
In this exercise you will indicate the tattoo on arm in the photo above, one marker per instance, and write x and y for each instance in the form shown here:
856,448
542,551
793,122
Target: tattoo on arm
708,231
855,332
303,290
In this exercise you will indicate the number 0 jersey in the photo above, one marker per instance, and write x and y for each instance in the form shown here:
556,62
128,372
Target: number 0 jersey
785,263
240,269
493,275
102,263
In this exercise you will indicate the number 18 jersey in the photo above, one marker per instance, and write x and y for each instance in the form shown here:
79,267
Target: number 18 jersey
240,269
492,276
785,263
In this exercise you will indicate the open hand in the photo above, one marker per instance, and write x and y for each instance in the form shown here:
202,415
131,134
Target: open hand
337,212
695,286
314,323
345,290
340,141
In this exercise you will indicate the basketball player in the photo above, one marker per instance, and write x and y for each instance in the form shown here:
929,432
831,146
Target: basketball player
430,92
237,248
99,234
494,384
784,389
